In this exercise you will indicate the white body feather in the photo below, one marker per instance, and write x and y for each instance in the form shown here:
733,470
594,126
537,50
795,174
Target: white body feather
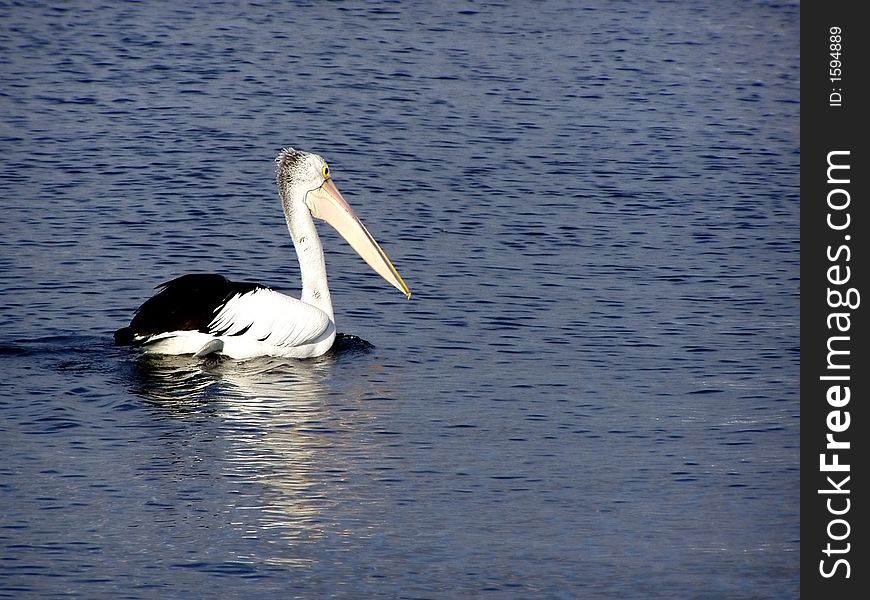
259,323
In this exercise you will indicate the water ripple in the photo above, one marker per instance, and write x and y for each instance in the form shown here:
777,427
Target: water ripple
597,211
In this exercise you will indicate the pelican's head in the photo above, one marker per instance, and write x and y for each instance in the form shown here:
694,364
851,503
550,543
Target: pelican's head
306,175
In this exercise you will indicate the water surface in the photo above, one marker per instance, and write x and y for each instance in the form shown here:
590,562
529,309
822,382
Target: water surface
593,392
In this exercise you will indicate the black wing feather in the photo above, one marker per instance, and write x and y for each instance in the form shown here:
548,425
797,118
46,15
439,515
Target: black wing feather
187,303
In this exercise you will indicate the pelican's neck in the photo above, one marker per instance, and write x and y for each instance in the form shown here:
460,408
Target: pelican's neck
309,250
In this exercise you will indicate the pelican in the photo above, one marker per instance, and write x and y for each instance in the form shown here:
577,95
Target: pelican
206,314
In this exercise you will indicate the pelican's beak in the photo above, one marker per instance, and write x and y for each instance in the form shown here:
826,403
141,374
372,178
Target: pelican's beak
327,203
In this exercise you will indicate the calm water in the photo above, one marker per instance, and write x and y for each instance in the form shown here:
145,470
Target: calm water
592,394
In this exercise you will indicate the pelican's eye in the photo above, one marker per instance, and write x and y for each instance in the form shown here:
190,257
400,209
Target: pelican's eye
325,171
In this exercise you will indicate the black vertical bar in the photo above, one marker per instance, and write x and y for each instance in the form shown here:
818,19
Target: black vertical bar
835,65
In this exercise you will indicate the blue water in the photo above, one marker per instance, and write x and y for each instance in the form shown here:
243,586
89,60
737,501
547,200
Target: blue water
592,394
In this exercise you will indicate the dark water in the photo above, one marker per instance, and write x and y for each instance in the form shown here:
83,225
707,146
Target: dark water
592,394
